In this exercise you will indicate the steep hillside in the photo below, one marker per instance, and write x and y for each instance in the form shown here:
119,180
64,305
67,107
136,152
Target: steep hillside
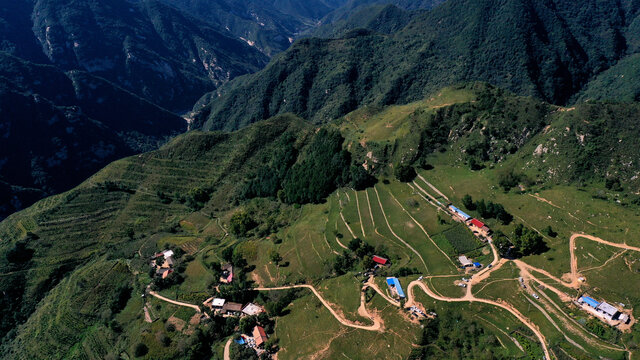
271,26
353,6
109,72
146,47
550,51
58,128
621,82
66,233
385,19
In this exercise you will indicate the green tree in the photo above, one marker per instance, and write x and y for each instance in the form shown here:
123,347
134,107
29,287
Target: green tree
502,243
360,178
527,241
549,231
241,222
508,179
197,198
247,324
227,253
404,172
140,350
324,167
275,257
239,352
467,201
354,244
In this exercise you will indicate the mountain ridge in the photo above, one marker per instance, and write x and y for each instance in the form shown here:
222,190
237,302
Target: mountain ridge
457,41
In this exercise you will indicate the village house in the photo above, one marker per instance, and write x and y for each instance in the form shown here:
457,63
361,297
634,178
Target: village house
231,308
167,263
380,260
395,288
479,227
259,335
163,272
461,215
464,261
252,309
603,310
214,303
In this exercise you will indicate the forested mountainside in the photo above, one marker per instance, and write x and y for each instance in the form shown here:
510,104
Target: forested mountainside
385,19
550,50
353,6
621,82
146,47
60,127
87,82
76,263
272,25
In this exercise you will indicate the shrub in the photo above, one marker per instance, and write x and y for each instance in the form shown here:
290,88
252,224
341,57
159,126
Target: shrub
241,223
141,350
508,179
404,172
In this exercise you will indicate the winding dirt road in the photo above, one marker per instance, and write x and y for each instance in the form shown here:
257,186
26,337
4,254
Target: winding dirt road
370,283
377,322
179,303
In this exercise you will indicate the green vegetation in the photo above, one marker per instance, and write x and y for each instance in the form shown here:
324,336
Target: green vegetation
451,335
141,205
240,223
359,252
323,168
523,242
323,79
461,239
404,172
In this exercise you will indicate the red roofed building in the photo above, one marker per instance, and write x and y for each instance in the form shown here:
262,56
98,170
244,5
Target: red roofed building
479,226
380,260
477,223
259,335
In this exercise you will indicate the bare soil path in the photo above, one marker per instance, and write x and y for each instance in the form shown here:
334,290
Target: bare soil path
377,322
355,194
370,283
227,349
433,187
179,303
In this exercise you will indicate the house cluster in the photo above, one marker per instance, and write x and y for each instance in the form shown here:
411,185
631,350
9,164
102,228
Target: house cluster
604,311
163,262
256,340
467,263
229,308
476,226
395,288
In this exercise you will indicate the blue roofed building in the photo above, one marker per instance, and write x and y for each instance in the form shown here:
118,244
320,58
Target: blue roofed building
589,301
461,214
395,287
